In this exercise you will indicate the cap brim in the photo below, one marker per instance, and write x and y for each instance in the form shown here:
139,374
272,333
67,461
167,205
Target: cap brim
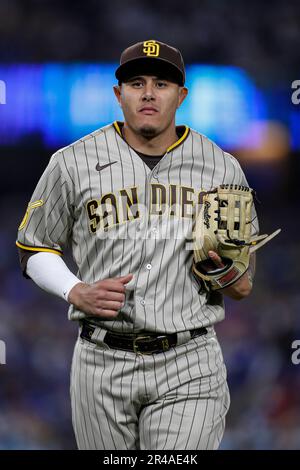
148,65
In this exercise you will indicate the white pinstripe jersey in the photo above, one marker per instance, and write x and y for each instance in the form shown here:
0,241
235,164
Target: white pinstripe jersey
119,217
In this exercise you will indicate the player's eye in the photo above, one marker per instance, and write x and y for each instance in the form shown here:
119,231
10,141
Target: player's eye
161,84
137,84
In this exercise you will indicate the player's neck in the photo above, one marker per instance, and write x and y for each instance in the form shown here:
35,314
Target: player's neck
155,146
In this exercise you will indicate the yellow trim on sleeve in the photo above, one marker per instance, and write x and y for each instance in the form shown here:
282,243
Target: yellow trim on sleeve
35,248
178,142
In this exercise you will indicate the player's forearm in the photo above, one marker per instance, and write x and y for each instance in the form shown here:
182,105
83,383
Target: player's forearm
240,289
51,273
243,286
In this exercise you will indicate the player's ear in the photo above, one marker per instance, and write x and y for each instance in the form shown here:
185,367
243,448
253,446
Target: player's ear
183,92
117,92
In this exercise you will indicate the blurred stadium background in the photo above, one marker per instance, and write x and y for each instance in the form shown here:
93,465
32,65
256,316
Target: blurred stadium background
57,62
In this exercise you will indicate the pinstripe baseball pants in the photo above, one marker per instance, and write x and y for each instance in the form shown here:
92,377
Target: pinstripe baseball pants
173,400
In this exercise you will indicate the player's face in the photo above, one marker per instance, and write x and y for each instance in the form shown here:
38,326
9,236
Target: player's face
149,103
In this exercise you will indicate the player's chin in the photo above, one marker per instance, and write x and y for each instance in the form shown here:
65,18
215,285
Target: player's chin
148,130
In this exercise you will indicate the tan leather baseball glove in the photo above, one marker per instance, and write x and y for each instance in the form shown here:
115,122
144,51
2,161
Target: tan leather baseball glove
223,225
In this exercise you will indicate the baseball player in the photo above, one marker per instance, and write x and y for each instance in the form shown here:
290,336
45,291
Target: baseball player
147,370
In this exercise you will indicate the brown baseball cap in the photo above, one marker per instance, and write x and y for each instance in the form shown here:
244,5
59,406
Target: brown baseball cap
152,57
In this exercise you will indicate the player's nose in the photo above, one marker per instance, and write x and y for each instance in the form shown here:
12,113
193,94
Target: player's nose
148,94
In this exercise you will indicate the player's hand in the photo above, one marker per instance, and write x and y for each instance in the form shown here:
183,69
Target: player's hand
241,288
101,299
216,259
213,262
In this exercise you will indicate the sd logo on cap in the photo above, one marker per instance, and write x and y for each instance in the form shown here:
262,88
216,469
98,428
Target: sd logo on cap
151,57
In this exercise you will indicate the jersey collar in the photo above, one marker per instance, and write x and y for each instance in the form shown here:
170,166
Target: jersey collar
117,125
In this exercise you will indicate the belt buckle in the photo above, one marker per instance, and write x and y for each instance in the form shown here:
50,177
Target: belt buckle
164,341
136,347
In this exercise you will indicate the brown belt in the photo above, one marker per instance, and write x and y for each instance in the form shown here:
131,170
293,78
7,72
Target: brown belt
140,343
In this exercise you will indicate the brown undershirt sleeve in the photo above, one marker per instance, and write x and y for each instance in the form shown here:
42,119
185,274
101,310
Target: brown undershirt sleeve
24,256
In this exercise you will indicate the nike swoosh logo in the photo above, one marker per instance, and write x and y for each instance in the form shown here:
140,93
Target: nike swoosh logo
99,168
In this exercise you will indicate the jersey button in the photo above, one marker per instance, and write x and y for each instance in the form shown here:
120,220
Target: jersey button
143,302
149,266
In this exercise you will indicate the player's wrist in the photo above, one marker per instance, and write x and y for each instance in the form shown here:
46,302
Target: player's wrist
239,289
74,295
